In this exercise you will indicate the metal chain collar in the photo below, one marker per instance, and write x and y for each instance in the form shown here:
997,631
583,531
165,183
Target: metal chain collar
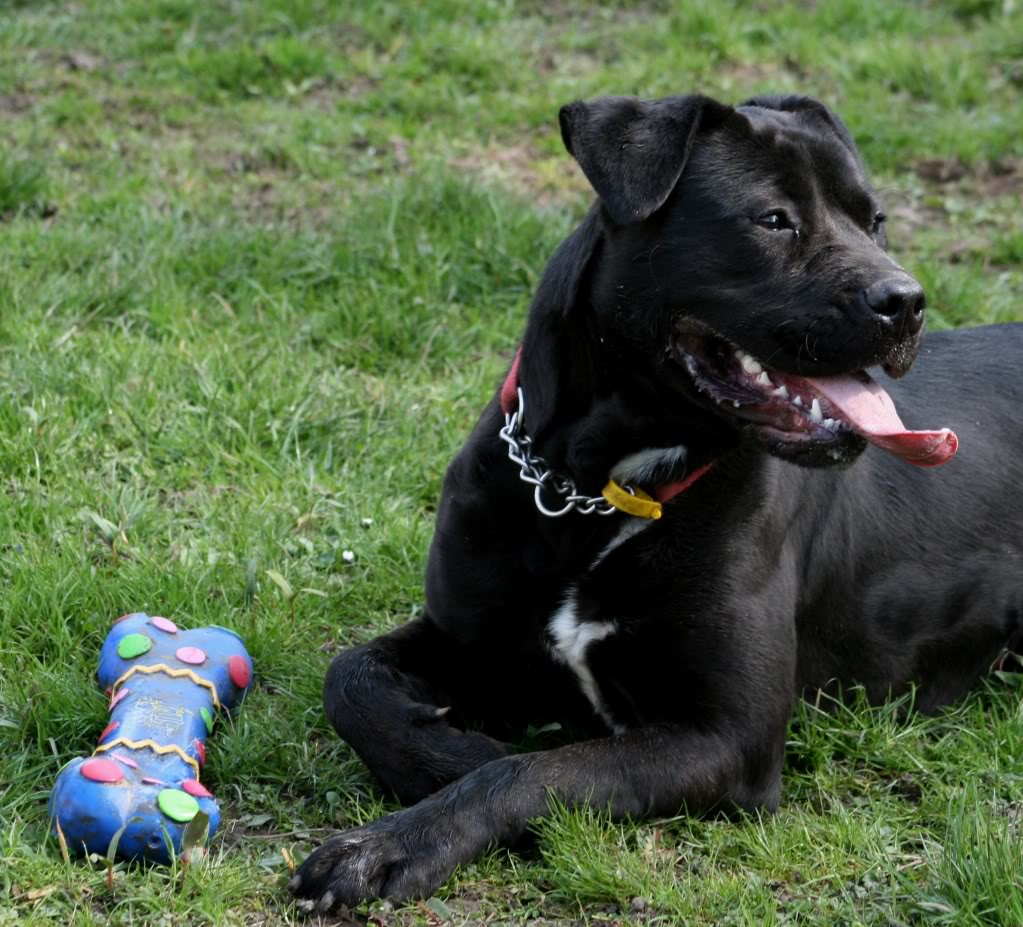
534,470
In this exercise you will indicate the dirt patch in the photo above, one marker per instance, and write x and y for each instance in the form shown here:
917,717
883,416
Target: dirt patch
475,914
81,60
548,181
963,207
268,186
582,15
357,87
768,6
908,216
940,170
192,500
565,63
985,179
325,94
267,161
744,75
14,103
309,206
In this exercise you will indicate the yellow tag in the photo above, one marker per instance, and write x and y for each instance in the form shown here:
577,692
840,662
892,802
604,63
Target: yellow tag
636,503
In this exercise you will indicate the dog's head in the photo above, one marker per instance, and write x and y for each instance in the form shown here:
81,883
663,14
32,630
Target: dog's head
739,254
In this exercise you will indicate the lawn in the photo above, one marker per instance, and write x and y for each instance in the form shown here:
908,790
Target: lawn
262,263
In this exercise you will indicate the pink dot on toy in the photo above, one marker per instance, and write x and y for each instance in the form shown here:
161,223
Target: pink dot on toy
196,789
238,668
118,698
151,781
192,655
102,771
108,730
126,760
164,624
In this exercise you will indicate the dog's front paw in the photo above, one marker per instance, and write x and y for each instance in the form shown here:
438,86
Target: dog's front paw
385,859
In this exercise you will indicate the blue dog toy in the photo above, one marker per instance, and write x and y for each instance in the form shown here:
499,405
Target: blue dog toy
165,685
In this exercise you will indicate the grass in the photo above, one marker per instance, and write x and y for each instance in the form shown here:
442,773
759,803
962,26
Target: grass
263,262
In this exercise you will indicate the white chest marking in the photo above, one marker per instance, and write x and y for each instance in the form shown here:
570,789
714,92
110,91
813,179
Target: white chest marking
572,638
648,465
631,526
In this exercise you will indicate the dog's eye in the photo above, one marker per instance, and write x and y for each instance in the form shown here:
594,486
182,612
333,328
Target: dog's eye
775,220
879,220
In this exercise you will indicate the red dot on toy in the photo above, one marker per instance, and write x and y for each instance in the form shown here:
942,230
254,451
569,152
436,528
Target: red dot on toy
196,789
102,771
200,749
192,655
108,730
164,624
238,668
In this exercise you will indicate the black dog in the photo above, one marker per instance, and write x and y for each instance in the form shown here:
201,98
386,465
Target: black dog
706,327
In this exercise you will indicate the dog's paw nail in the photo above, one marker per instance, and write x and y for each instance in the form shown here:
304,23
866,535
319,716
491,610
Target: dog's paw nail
443,711
306,905
326,902
294,883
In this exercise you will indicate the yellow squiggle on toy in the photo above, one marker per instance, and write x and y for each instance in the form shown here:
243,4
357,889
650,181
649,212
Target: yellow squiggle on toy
170,671
152,745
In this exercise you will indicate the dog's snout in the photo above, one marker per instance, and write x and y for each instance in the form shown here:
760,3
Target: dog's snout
900,301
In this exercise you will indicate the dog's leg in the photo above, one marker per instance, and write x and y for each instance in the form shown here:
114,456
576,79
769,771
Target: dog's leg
649,771
392,699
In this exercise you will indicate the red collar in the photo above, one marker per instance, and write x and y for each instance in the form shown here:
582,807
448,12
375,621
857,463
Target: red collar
667,491
662,493
510,389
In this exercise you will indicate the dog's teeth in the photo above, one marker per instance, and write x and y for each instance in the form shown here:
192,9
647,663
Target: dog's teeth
748,363
830,424
781,392
735,402
815,412
798,401
764,379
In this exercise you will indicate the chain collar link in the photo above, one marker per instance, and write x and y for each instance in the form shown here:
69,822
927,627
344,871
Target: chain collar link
534,470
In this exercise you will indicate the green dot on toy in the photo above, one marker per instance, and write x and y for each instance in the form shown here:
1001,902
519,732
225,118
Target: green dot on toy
133,645
177,805
208,718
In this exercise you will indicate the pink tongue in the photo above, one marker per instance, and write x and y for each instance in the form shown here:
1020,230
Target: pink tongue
871,412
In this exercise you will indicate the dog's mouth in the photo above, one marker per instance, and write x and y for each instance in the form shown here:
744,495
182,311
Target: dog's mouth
798,416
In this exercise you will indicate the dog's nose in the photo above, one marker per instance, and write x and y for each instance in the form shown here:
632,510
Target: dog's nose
899,300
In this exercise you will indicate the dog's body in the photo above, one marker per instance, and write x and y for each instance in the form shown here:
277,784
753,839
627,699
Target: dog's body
679,645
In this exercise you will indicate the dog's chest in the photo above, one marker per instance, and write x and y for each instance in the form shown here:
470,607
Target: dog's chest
573,628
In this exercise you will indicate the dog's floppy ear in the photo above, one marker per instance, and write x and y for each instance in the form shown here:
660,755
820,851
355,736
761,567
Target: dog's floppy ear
633,151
